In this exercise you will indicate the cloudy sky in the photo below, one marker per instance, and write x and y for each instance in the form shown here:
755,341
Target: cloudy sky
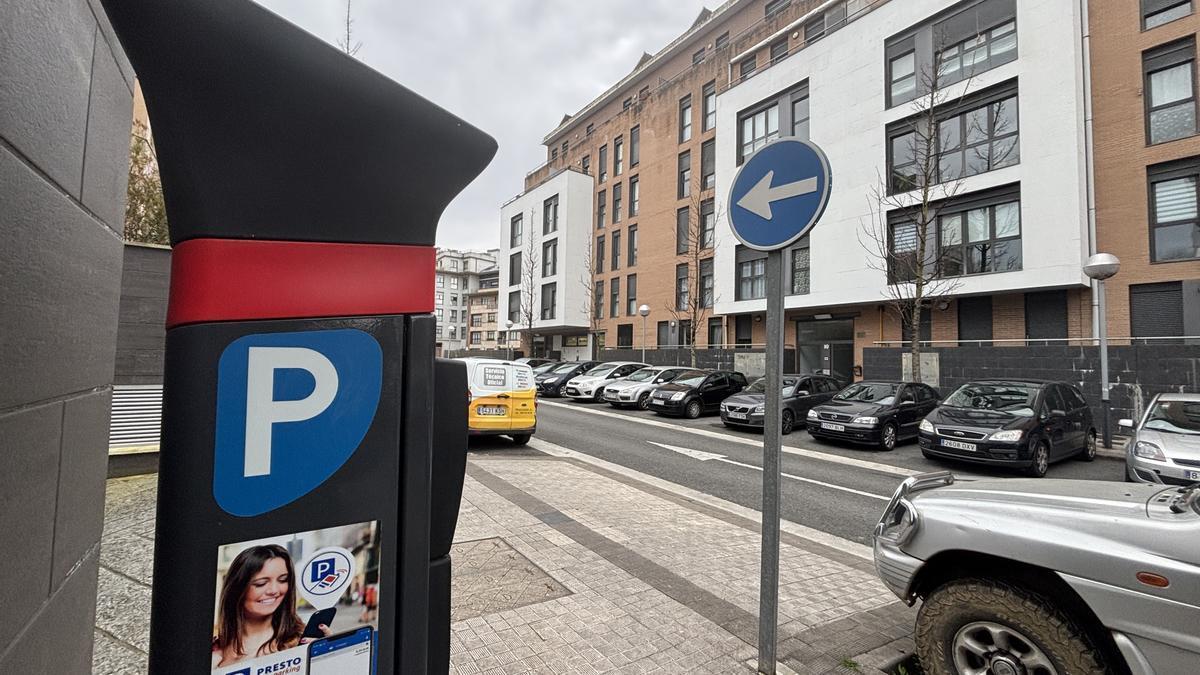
510,67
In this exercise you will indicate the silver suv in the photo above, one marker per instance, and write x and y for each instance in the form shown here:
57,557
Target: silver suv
1038,577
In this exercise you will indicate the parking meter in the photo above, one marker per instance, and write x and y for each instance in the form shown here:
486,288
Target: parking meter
307,494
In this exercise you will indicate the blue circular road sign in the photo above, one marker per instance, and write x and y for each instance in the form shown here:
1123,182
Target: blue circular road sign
779,194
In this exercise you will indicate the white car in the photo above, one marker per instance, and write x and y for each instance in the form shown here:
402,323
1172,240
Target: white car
635,389
590,385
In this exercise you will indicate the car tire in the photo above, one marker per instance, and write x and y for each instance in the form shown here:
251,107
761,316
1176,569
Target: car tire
644,401
1088,453
1039,462
692,409
521,439
929,455
960,610
887,437
788,422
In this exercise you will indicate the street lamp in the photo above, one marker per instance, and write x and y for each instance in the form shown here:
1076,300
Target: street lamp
508,337
644,310
1100,267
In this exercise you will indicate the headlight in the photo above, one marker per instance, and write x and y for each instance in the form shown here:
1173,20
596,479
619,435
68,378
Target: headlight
812,414
760,409
1149,451
678,396
869,421
898,524
1009,436
927,426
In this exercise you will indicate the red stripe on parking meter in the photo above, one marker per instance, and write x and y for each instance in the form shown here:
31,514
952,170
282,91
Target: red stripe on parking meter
243,279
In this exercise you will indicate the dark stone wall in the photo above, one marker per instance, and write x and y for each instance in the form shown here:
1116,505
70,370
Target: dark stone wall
66,95
142,329
1137,372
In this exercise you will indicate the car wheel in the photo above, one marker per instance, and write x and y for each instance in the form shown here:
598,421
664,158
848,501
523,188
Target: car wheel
887,437
520,439
1041,460
1089,448
644,401
985,625
692,410
598,397
789,422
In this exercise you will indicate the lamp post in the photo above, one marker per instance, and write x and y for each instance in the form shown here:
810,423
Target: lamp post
1100,267
508,337
644,310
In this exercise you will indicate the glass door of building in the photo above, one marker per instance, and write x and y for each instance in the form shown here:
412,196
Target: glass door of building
826,346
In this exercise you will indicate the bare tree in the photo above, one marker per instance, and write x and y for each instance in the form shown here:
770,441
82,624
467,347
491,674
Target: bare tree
693,300
589,294
902,237
347,43
529,277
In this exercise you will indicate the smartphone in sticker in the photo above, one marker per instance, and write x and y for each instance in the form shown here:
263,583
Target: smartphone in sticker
344,654
321,616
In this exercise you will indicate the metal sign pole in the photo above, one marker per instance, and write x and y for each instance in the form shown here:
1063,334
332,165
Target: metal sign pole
768,596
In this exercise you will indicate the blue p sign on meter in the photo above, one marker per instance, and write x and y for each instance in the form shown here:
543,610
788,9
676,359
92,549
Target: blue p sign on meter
779,194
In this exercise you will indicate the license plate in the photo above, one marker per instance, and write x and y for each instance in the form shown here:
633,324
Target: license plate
736,415
491,410
572,391
959,445
611,395
833,427
1193,475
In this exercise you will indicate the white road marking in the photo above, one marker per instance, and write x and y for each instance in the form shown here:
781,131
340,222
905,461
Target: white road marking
803,531
694,454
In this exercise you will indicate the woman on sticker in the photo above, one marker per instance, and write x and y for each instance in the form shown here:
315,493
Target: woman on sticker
257,615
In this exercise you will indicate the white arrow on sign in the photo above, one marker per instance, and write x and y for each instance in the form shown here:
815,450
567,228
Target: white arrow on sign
758,199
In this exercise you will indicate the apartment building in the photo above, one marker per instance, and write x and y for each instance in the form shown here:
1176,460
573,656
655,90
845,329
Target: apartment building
457,276
482,307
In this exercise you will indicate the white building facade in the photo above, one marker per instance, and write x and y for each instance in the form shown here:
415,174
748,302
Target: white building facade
456,276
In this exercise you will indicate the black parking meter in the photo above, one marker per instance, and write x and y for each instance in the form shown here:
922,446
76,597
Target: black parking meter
307,496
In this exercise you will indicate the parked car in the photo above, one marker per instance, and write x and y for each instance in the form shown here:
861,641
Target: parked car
635,389
876,413
1165,447
696,392
546,367
1026,424
800,393
589,386
533,362
502,401
551,382
1029,577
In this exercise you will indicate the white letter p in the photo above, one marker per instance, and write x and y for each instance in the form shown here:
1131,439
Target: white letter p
263,411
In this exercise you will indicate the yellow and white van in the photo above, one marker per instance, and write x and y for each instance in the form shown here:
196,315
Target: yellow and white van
503,399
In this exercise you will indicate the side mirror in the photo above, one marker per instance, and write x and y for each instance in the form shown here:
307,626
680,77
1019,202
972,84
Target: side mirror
802,392
1125,424
1058,413
906,403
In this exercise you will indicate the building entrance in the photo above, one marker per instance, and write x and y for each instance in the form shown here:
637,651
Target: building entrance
826,346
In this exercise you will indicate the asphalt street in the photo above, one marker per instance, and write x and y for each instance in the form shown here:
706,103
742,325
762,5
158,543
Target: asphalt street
836,488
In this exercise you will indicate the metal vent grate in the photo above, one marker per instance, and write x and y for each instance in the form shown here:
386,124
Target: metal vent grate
136,416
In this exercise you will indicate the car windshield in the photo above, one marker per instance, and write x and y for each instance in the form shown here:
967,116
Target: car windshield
691,378
601,370
667,376
544,368
1011,398
760,386
874,392
1174,417
565,368
643,375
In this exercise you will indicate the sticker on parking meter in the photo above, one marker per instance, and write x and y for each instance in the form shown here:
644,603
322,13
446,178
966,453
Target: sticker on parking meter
326,575
291,410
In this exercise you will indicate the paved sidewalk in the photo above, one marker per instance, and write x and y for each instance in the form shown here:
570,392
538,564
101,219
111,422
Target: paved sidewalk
564,565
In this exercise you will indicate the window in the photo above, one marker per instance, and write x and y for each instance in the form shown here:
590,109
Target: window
602,163
631,295
491,335
614,303
454,283
979,140
439,312
454,299
644,93
902,78
564,149
698,56
601,207
685,119
635,146
751,274
743,330
600,341
439,297
453,265
1046,315
814,29
707,283
709,106
549,298
553,154
683,232
454,316
616,206
975,320
476,320
779,50
980,52
1158,12
1171,91
708,164
685,333
722,41
441,281
514,307
452,333
975,240
800,267
663,334
632,245
550,258
756,129
476,337
585,165
685,174
514,269
708,223
625,336
800,115
1174,227
627,103
616,251
1156,310
550,215
618,156
746,69
599,254
634,196
682,286
590,128
716,333
491,316
773,6
598,301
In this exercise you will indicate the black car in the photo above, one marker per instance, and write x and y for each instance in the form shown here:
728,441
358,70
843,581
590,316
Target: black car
800,392
696,392
1025,424
875,413
533,362
550,383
